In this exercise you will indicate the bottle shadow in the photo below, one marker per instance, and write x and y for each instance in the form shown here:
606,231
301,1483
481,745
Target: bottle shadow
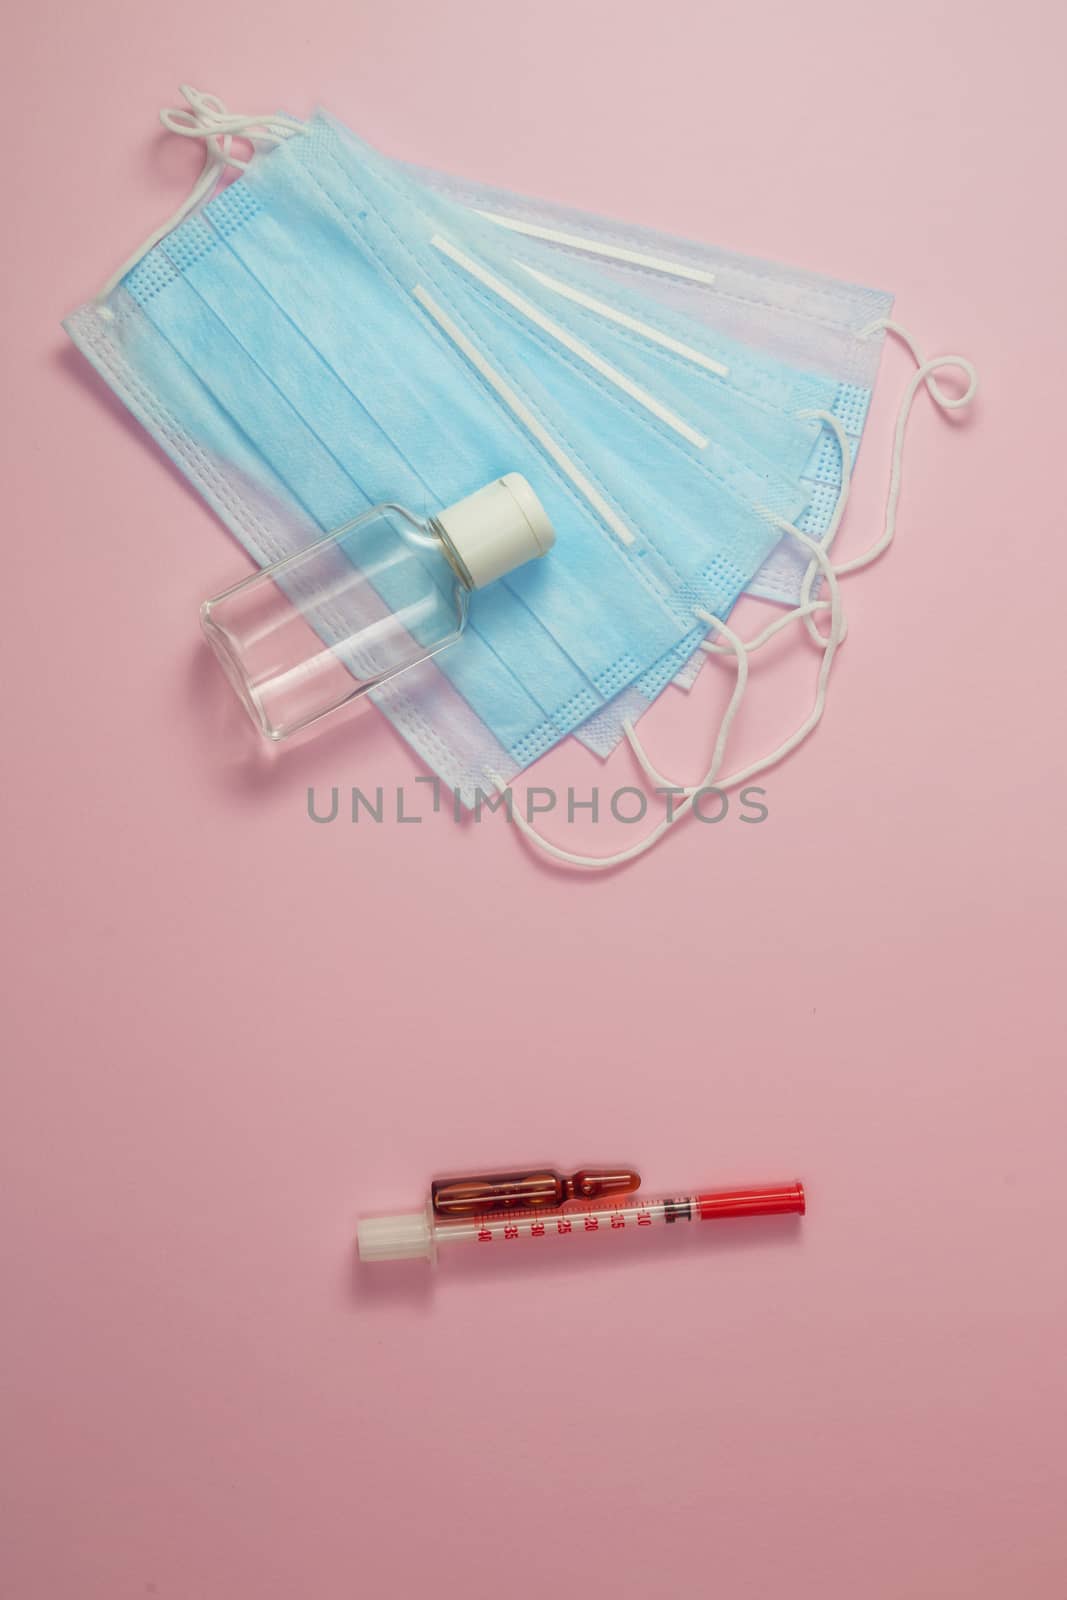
245,762
347,751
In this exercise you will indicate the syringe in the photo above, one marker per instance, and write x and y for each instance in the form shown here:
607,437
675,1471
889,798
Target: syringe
502,1208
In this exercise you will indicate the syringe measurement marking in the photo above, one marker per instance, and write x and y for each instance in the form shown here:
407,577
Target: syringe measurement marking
537,1225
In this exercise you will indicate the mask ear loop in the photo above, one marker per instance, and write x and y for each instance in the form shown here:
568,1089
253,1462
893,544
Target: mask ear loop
208,119
829,642
925,374
741,652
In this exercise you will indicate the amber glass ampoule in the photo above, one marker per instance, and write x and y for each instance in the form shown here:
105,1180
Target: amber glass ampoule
536,1189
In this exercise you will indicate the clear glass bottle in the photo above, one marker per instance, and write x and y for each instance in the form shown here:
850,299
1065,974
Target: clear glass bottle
389,589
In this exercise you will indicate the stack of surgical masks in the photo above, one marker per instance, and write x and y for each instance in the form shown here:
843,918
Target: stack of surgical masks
333,330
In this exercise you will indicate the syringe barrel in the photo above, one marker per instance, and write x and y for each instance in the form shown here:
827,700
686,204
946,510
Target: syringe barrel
417,1235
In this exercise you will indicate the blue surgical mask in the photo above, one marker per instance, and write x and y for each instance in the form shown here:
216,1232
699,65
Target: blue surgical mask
208,328
244,346
237,340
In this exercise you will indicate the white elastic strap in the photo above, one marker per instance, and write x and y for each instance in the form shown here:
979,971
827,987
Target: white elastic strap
829,642
208,119
600,247
599,862
520,410
563,336
611,313
924,375
711,781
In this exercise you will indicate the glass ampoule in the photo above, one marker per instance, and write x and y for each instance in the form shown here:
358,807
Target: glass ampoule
533,1189
388,590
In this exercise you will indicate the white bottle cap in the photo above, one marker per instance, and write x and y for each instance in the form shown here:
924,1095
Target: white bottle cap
497,528
405,1237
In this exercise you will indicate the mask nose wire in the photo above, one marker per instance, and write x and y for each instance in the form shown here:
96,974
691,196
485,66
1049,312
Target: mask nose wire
205,117
829,642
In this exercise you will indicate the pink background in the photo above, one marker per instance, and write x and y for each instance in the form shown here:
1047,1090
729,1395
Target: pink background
229,1030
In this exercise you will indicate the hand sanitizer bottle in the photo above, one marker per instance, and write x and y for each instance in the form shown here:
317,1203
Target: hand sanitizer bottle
323,627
